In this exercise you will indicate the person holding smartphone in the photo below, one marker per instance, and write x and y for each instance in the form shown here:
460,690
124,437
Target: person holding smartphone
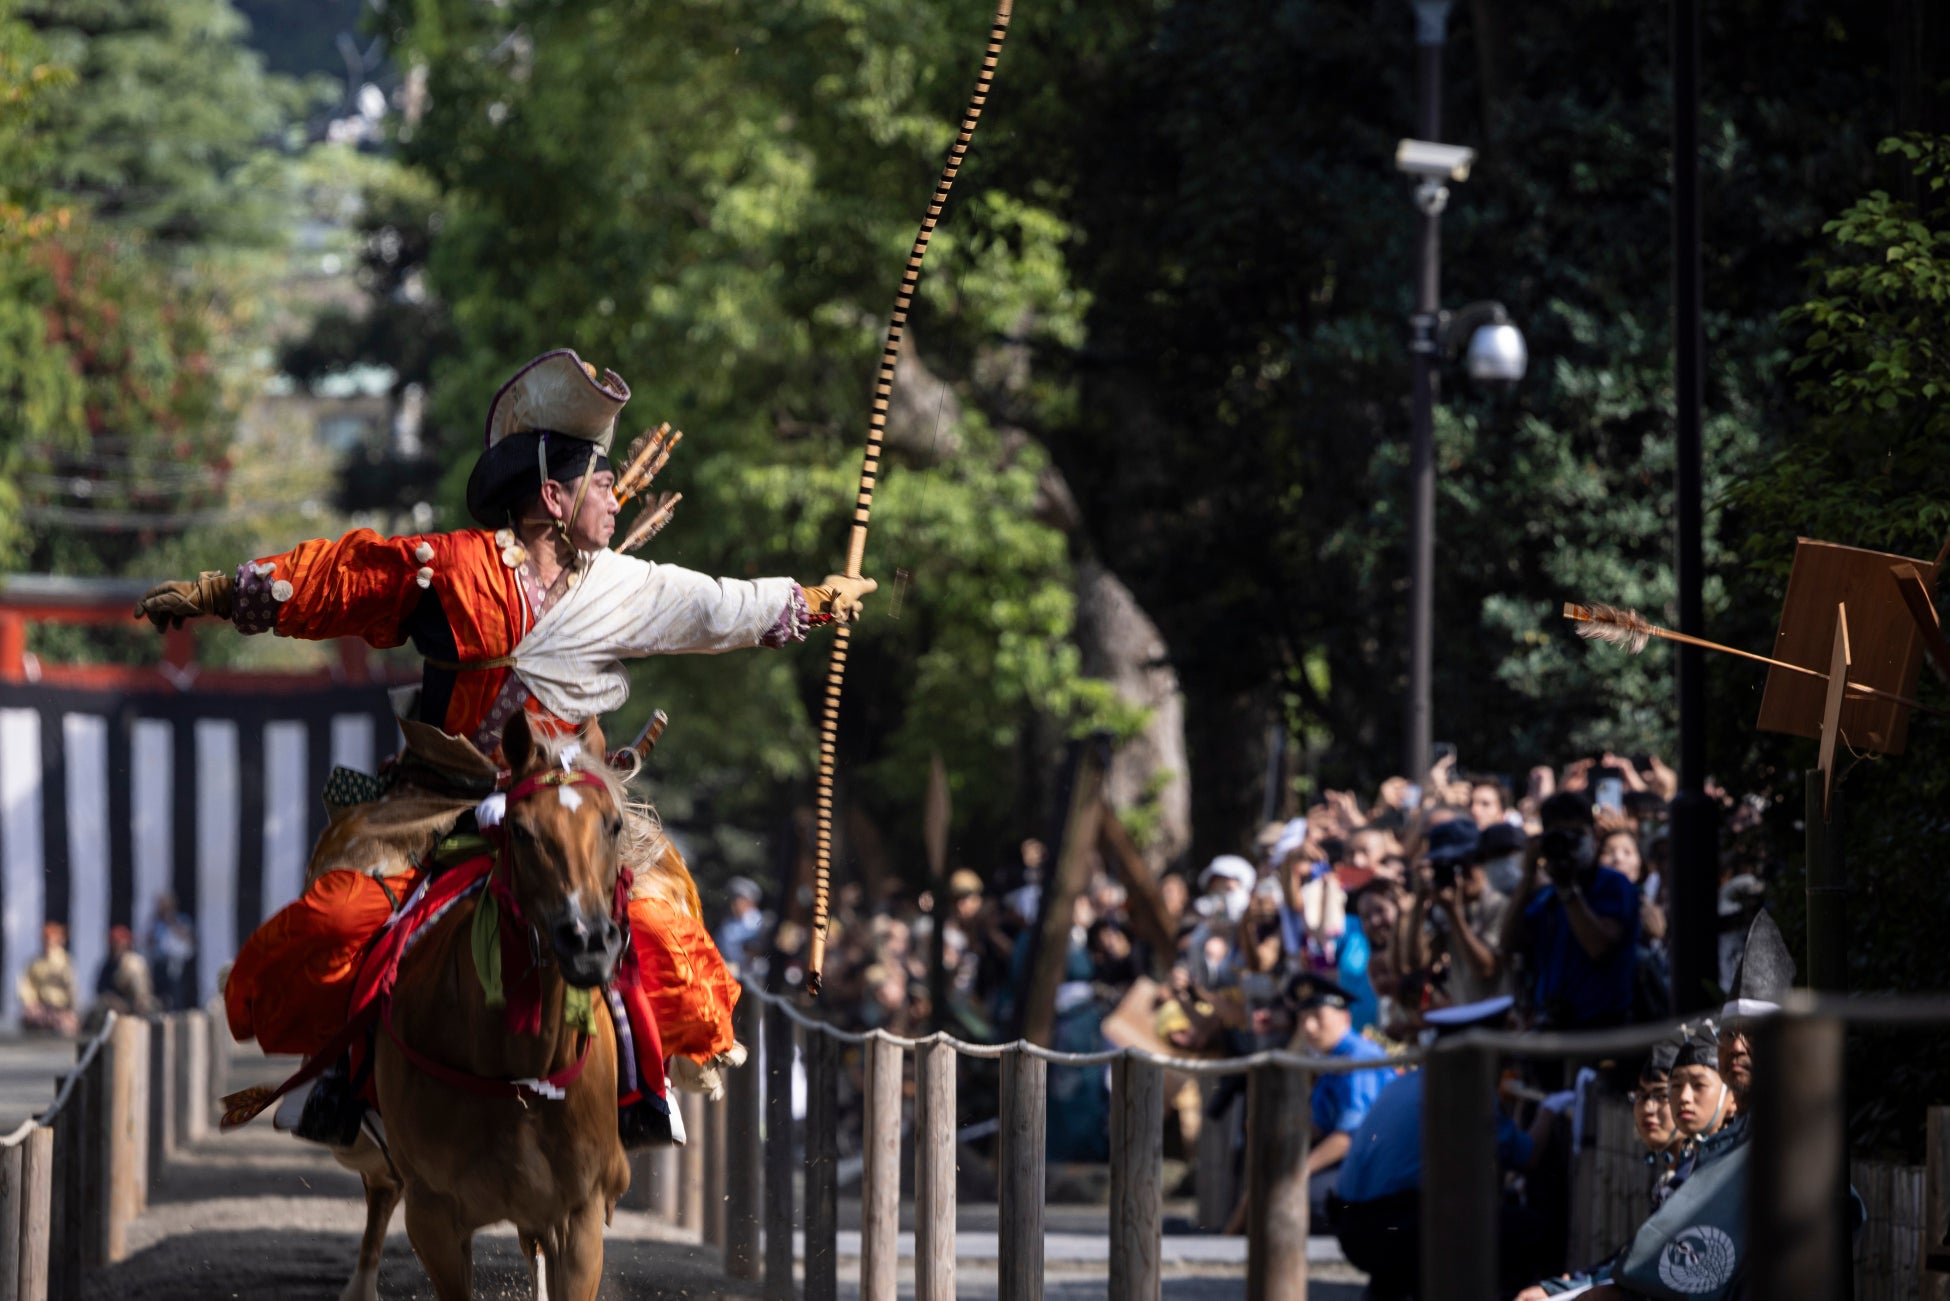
1461,915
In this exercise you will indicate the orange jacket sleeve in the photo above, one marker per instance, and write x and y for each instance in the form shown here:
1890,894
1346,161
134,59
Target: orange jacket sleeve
362,585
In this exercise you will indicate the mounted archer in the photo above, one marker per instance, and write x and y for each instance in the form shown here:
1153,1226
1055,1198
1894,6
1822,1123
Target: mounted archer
529,613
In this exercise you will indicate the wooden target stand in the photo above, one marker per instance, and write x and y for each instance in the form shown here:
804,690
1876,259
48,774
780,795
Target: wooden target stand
1858,618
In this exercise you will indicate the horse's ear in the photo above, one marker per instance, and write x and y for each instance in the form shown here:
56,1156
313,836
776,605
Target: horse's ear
518,743
593,744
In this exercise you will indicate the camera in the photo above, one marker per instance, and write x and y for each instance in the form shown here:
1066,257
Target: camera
1444,873
1438,161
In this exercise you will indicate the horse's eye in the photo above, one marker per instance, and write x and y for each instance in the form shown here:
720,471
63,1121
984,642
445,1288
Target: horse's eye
615,828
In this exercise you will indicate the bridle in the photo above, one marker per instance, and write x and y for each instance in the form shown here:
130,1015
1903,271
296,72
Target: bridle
554,1086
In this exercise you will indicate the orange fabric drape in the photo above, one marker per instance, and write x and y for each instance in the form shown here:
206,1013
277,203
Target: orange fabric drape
690,988
290,987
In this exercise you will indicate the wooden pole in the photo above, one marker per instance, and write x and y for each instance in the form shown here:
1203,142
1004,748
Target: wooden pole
880,1185
1934,1261
12,1215
934,1173
37,1210
1137,1155
64,1227
193,1078
741,1251
714,1121
162,1094
131,1070
1025,1095
663,1177
1215,1181
690,1164
1827,876
1051,951
1459,1174
1798,1176
779,1199
1276,1184
822,1166
105,1226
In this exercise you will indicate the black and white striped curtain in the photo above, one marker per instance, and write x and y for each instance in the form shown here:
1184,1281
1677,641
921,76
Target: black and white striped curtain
110,800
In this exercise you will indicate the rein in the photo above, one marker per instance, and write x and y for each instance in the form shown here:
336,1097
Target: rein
552,1087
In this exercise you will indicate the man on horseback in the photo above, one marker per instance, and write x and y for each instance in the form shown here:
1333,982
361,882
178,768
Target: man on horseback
530,613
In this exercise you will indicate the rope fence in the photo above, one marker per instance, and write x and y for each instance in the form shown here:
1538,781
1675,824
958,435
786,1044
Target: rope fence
1797,1247
73,1178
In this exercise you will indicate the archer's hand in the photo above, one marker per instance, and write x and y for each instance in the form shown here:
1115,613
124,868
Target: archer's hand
840,596
167,605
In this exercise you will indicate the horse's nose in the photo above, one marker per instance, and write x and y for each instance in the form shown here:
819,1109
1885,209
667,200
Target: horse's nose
572,935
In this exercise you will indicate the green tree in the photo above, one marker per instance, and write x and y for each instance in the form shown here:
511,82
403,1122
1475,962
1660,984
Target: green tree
1866,469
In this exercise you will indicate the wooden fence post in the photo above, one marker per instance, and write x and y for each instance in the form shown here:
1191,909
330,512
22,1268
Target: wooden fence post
822,1166
37,1190
12,1215
1137,1156
779,1200
741,1251
713,1183
1459,1174
128,1127
104,1231
162,1095
663,1167
193,1078
934,1173
1025,1120
1216,1180
1934,1262
690,1164
880,1178
1276,1184
1798,1172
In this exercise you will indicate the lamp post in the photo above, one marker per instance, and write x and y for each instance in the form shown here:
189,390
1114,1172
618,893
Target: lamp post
1495,351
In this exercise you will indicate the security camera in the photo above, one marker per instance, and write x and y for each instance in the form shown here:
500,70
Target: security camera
1426,158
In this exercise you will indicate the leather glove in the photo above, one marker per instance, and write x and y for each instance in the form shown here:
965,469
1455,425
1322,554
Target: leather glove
839,597
167,605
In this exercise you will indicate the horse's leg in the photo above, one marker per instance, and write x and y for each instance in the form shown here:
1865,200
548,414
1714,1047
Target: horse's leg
576,1272
531,1252
382,1195
443,1243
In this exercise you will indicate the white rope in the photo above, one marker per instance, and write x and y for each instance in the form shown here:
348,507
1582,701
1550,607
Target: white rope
82,1063
1185,1065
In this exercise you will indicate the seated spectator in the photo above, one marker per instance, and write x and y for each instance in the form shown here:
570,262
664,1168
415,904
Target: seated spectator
123,985
1575,925
1652,1121
46,990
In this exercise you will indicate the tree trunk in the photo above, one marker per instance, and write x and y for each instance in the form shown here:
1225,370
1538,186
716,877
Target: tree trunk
1121,645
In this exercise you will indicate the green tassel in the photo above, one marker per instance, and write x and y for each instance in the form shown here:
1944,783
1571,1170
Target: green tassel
485,940
578,1010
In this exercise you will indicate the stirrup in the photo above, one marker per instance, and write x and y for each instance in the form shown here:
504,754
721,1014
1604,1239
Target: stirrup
332,1111
644,1123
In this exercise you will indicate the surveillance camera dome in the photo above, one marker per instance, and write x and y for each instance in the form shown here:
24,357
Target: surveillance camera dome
1497,352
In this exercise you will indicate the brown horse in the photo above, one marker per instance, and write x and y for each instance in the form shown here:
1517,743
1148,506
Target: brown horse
462,1160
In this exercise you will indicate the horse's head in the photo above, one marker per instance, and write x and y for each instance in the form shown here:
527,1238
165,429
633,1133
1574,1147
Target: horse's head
565,839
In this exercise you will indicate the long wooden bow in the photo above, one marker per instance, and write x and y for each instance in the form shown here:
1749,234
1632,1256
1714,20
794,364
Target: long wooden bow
856,549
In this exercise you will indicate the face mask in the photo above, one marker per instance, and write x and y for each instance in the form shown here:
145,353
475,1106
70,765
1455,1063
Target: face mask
1236,901
1505,873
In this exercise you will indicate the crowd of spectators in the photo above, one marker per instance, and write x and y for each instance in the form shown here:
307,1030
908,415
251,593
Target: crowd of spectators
1357,929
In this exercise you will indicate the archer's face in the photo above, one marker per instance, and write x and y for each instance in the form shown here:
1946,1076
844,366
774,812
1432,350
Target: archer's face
595,519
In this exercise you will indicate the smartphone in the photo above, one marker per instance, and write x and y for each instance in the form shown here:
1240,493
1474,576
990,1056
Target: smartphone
1609,794
1440,750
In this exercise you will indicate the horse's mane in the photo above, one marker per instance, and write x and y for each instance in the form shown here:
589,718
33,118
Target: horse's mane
643,831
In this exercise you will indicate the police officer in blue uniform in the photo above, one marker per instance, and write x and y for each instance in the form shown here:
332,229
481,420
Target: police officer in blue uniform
1377,1207
1340,1100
